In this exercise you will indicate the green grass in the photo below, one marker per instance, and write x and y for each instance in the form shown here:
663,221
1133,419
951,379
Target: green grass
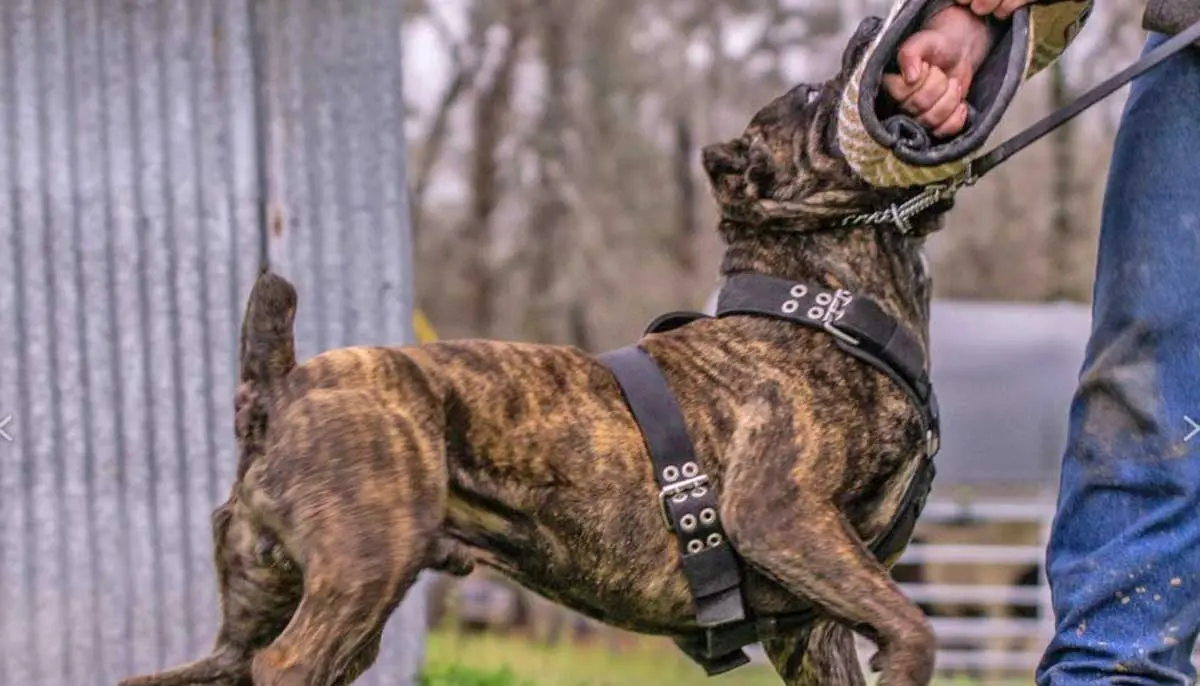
503,661
493,660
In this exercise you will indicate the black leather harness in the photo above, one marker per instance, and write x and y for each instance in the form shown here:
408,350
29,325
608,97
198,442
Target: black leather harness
688,502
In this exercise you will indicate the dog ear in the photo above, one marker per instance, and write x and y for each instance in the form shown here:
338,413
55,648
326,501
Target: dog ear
725,164
761,161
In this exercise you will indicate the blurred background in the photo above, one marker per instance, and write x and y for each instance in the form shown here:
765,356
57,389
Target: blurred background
517,169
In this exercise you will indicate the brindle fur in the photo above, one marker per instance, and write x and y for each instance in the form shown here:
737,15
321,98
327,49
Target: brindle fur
365,465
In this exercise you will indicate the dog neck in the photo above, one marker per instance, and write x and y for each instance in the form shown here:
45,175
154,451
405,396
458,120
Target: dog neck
870,261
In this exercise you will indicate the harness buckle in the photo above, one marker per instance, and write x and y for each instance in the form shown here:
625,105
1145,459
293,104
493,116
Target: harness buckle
676,490
933,443
838,333
833,313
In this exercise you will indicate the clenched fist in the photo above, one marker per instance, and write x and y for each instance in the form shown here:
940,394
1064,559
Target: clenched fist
938,63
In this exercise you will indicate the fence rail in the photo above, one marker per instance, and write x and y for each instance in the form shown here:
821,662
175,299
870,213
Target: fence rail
984,594
981,554
995,645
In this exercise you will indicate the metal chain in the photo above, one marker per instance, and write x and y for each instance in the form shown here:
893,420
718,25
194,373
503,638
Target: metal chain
901,214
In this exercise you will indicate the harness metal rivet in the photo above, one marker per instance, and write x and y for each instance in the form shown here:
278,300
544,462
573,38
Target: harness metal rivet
816,313
687,522
679,497
670,473
708,515
799,290
790,306
695,545
714,540
690,469
699,492
824,298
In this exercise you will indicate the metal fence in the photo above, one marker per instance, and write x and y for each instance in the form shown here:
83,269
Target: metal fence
154,152
1016,621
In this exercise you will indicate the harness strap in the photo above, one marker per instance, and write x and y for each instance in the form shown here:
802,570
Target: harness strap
686,499
689,504
857,322
859,326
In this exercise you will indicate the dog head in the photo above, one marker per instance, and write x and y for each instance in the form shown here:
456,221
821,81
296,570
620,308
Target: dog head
786,172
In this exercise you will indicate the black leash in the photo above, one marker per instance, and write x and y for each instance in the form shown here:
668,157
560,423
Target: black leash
1019,142
901,214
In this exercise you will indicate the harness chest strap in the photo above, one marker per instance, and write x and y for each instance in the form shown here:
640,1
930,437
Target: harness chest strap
690,508
687,501
689,504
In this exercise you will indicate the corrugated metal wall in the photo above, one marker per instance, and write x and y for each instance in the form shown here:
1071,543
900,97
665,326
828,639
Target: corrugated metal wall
130,220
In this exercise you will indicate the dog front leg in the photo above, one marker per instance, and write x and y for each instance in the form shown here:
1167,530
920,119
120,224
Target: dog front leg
778,505
807,547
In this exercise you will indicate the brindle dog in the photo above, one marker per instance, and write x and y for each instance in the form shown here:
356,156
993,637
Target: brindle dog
365,465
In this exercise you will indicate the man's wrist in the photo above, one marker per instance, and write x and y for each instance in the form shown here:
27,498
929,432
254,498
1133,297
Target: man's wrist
959,20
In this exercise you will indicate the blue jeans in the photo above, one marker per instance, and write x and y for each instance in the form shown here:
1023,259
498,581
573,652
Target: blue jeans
1124,552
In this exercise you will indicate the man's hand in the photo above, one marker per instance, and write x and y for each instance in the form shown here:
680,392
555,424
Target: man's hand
938,63
1001,9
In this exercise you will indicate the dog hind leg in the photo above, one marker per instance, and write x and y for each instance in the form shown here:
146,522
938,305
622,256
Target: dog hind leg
822,655
334,635
356,502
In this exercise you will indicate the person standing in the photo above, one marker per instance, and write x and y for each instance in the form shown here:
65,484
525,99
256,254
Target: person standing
1123,558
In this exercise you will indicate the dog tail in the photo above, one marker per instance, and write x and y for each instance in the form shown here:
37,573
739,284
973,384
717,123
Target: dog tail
267,352
268,344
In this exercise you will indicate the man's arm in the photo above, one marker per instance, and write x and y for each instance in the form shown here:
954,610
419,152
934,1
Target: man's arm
1170,17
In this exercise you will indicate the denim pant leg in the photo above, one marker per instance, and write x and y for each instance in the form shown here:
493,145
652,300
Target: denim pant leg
1124,552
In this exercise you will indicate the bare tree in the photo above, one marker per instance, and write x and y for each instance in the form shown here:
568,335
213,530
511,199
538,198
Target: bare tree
465,66
1064,225
490,117
549,213
685,196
